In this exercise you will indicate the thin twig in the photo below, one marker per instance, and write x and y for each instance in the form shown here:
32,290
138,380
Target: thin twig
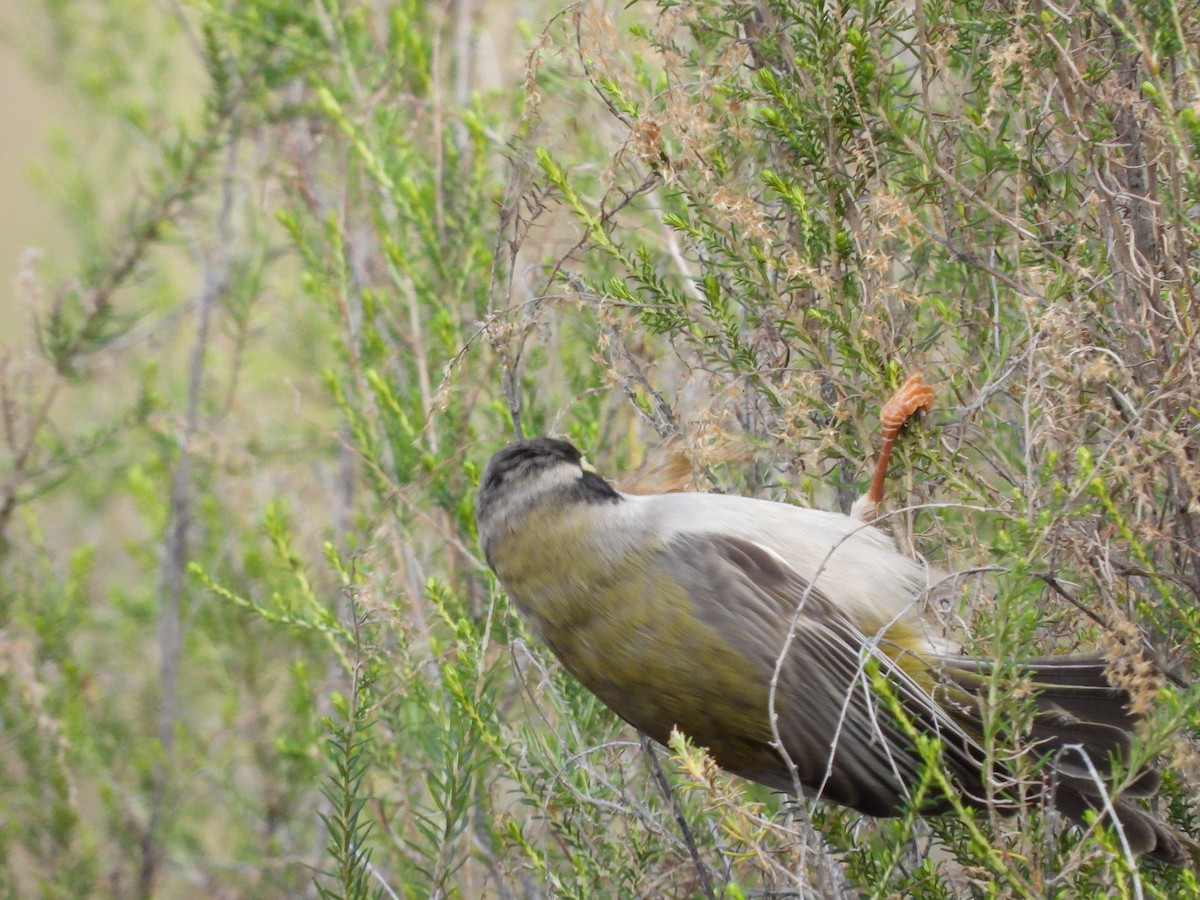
660,778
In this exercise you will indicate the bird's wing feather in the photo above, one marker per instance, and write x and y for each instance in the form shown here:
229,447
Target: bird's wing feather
844,742
874,582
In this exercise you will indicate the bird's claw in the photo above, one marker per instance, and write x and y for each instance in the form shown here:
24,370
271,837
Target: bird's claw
911,396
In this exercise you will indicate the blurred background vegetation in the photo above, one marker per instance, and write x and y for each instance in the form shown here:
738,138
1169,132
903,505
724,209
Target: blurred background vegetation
324,258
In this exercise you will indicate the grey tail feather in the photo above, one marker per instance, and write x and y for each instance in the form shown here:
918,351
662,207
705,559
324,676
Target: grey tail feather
1083,726
1076,685
1143,832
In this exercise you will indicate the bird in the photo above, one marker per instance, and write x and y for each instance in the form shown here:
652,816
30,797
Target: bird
760,629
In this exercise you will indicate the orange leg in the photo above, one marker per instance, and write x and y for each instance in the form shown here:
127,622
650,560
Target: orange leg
913,395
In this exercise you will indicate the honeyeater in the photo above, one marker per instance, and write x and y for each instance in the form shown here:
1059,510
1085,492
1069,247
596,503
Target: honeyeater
681,609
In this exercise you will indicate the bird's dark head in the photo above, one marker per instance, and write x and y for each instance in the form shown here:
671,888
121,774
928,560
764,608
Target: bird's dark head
529,474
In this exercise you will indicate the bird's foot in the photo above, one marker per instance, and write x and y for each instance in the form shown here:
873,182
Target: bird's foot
913,395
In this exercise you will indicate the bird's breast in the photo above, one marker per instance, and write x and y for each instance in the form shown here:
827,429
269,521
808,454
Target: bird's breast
630,634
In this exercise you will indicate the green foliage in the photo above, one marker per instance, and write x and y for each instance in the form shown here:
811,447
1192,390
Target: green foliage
349,830
331,255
